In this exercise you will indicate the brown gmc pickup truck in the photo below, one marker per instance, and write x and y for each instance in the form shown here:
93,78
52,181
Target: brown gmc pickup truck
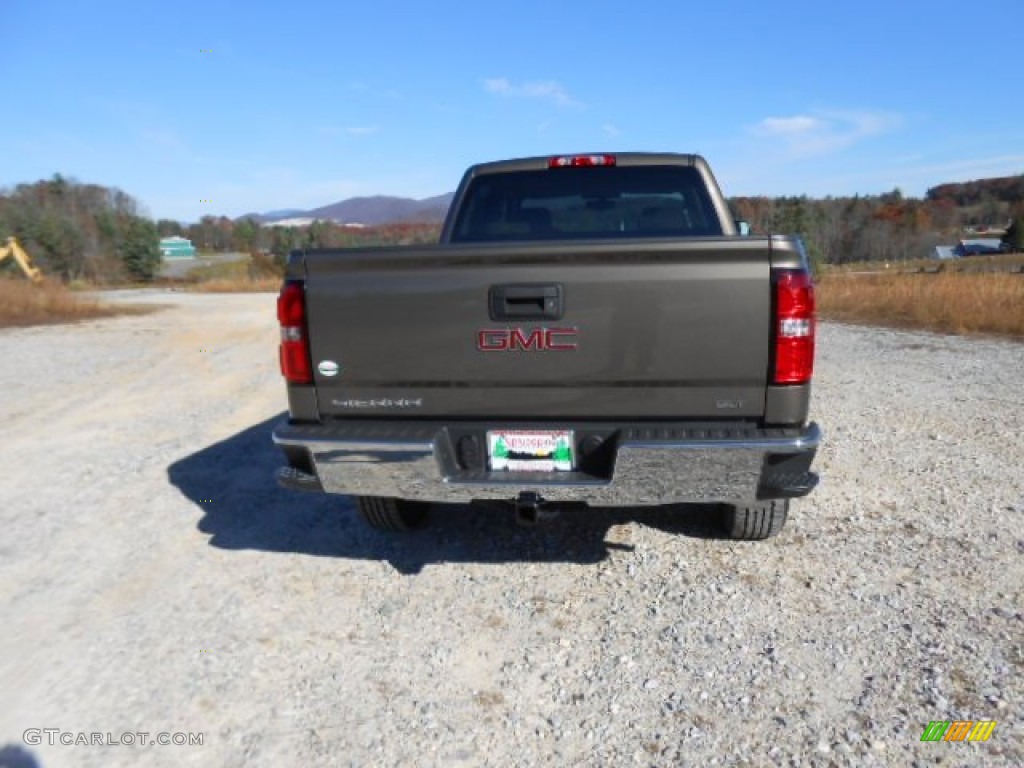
591,328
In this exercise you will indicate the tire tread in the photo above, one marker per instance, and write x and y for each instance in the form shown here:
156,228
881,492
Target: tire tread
388,514
755,522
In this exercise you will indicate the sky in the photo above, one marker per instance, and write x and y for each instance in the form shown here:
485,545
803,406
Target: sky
221,108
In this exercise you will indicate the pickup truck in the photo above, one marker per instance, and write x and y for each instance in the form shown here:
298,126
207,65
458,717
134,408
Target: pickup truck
590,328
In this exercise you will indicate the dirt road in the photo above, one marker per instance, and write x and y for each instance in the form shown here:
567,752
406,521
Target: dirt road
153,579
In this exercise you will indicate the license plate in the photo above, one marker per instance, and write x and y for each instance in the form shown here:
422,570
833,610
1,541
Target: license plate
531,450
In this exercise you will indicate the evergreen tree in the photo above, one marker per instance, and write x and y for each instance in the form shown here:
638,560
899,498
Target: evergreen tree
139,248
1014,237
168,228
246,235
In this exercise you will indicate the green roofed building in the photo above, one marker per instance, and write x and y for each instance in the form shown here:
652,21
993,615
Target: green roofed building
177,248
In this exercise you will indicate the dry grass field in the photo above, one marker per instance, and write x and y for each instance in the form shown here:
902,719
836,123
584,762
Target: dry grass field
23,303
947,302
258,274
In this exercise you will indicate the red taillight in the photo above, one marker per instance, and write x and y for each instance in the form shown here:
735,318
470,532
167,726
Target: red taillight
291,314
794,328
580,161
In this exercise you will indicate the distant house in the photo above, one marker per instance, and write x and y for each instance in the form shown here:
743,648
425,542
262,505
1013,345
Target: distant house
974,247
176,248
978,247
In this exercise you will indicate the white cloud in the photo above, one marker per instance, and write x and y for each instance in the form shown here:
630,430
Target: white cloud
547,90
610,130
824,132
799,125
362,130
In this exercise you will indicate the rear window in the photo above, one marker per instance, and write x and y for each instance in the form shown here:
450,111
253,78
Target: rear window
566,203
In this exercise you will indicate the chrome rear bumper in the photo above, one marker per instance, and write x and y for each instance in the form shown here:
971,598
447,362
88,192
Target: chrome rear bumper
647,463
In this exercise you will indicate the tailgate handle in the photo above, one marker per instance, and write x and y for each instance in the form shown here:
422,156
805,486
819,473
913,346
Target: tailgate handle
525,302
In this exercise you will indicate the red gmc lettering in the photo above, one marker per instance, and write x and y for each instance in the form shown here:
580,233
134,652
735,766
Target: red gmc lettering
492,340
534,341
567,333
515,339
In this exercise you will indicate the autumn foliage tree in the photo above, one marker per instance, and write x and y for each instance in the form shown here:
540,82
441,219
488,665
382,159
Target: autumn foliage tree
887,227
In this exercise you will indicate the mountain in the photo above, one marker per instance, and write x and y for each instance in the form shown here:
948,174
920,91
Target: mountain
261,218
369,211
383,210
284,213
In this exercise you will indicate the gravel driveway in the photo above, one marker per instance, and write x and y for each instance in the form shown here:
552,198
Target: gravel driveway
153,579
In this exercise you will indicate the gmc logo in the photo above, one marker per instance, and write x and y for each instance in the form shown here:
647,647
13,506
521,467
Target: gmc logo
515,339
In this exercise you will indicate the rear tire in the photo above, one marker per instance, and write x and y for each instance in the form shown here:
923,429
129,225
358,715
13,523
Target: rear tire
387,514
753,522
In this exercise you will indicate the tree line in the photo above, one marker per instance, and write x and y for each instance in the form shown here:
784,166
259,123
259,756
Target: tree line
90,232
887,227
221,234
81,231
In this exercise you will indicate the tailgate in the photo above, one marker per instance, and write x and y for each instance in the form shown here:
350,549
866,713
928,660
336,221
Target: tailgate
658,329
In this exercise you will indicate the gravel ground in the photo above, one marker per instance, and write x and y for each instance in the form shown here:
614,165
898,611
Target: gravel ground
155,580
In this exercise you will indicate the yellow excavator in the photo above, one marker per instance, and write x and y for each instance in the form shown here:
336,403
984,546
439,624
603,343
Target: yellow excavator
18,253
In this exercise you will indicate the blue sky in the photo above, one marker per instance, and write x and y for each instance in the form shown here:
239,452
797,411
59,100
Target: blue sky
258,106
